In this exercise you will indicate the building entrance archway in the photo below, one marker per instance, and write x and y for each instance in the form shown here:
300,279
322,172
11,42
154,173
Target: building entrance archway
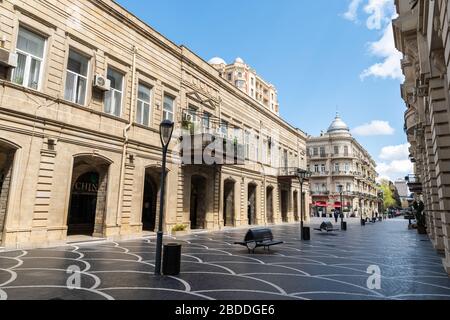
198,202
251,209
87,208
7,154
150,202
284,204
228,203
296,213
269,204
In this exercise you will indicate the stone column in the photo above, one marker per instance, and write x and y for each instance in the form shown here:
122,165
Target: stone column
431,195
439,119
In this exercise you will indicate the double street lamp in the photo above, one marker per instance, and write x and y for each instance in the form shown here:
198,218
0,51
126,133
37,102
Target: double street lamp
302,176
165,133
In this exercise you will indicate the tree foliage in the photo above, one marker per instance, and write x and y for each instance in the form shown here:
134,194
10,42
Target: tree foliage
388,194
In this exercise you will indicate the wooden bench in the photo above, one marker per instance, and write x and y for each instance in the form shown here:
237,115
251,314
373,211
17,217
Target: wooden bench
258,238
326,226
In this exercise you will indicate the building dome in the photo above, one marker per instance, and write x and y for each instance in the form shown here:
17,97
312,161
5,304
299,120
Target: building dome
217,61
338,126
239,60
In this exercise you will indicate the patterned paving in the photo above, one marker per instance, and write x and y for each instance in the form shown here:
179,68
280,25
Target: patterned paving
331,266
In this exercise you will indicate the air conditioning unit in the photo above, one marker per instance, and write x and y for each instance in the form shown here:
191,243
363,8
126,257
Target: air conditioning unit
187,117
7,58
102,83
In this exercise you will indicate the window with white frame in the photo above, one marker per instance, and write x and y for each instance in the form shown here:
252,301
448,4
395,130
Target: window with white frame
206,122
247,144
76,78
143,108
168,108
30,61
114,97
347,168
257,148
337,167
224,129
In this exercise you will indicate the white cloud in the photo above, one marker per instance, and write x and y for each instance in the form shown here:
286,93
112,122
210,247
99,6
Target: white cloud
379,17
395,169
380,11
385,49
374,128
352,12
392,153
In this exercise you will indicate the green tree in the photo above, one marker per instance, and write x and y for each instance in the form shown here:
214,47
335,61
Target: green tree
389,200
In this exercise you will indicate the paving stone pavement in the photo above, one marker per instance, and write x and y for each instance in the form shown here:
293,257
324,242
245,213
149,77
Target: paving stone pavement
330,266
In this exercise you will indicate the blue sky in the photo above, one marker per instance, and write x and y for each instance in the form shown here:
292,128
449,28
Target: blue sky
321,55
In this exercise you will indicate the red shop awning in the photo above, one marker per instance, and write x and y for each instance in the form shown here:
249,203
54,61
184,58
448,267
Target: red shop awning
320,204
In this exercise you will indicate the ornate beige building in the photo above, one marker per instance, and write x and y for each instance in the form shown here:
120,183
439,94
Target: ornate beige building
421,32
337,159
247,80
84,86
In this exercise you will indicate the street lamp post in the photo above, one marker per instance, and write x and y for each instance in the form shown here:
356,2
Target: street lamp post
341,191
165,133
302,175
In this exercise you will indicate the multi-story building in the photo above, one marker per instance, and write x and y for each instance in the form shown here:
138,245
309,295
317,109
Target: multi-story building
421,33
84,86
403,193
247,80
337,160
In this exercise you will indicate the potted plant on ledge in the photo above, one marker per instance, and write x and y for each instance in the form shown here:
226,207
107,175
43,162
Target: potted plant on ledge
180,230
419,209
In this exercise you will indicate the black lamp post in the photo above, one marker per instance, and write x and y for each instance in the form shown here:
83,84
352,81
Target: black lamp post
165,133
341,191
303,176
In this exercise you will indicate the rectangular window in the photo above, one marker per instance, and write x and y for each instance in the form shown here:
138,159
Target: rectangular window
143,110
76,78
114,97
323,168
240,84
206,122
346,151
168,108
336,167
30,51
285,159
336,150
230,76
316,168
247,144
257,149
322,152
224,129
347,167
316,152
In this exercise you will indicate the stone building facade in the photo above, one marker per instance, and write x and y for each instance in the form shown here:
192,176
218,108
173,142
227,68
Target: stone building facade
84,86
421,33
336,159
247,80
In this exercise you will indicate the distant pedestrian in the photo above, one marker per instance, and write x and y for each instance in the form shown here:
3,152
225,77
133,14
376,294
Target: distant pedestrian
336,216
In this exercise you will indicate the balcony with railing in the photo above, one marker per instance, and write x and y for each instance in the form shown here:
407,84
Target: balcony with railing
341,173
201,144
320,193
411,121
320,156
414,183
319,174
